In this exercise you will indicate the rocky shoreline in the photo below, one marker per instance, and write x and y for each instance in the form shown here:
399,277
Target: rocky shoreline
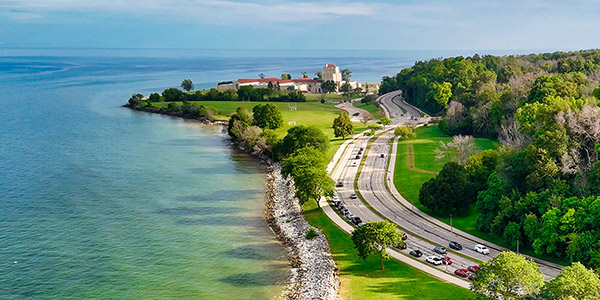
314,273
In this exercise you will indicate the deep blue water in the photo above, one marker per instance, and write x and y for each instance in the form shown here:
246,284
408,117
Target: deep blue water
97,201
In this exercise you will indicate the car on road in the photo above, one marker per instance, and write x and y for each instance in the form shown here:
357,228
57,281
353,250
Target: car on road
455,245
349,216
339,184
446,260
357,157
356,220
416,253
400,246
461,272
404,237
482,249
434,260
361,149
473,269
356,114
354,164
440,250
353,196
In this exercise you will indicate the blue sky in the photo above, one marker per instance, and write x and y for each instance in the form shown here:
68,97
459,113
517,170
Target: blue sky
301,24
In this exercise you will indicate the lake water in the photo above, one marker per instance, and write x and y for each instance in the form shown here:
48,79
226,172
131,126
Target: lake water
97,201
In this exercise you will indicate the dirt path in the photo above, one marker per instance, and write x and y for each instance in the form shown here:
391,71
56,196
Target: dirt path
411,161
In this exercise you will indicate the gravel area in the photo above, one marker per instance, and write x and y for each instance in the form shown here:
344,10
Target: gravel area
314,273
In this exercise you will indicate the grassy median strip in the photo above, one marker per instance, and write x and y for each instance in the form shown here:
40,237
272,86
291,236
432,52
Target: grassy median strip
364,279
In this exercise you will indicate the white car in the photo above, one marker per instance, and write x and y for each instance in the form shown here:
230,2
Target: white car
482,249
434,260
354,164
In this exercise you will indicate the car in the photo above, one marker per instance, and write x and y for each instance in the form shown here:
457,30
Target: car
400,246
357,157
336,202
446,260
344,211
473,269
404,237
356,114
440,250
361,224
416,253
361,149
349,216
455,246
339,184
354,164
461,272
482,249
356,220
382,155
471,276
434,260
353,196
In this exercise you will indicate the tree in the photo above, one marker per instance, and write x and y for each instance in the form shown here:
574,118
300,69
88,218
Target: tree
366,117
449,192
135,99
459,149
374,238
238,122
187,84
304,136
385,121
328,86
261,75
154,97
319,75
346,89
512,234
508,276
304,74
574,282
443,93
596,93
267,116
488,201
307,167
346,74
342,126
172,95
285,76
405,132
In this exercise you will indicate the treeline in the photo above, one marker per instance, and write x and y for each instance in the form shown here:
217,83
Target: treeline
542,187
477,93
301,151
245,93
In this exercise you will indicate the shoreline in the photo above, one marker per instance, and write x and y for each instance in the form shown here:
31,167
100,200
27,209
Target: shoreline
313,271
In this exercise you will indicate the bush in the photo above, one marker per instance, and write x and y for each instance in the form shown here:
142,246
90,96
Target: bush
311,233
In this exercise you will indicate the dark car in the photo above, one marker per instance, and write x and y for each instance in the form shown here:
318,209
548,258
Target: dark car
356,220
416,253
461,272
446,260
471,276
473,269
400,246
356,114
455,246
339,184
357,157
361,148
353,196
440,250
404,237
382,155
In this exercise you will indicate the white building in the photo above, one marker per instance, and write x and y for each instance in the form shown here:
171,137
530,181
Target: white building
331,72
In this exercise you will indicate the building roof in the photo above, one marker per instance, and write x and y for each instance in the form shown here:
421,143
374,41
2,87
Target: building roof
257,80
330,66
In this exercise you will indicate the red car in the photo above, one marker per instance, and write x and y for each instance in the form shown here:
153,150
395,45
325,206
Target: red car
461,272
446,260
404,236
473,269
400,246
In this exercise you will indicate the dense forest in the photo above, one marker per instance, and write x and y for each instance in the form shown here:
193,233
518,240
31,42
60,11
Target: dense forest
542,186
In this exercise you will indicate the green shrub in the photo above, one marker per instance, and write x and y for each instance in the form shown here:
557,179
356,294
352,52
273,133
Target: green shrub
311,233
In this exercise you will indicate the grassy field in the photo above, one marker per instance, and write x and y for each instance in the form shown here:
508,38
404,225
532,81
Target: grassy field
371,108
328,97
364,279
306,113
408,181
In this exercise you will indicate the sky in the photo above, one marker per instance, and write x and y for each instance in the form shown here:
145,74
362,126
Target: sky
301,24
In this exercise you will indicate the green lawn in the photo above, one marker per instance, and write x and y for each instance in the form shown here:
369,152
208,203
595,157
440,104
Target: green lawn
306,113
371,108
408,181
364,279
328,97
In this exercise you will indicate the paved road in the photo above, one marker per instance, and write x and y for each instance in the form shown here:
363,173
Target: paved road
352,110
378,191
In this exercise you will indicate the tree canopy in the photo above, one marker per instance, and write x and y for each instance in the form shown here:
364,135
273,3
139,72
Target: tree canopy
374,238
342,126
304,136
307,166
187,85
267,116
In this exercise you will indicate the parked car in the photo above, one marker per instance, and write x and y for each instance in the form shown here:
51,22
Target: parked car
400,246
446,260
473,269
356,220
339,184
482,249
404,237
361,224
349,216
357,157
361,149
416,253
353,196
336,202
440,250
434,260
354,164
461,272
455,246
356,114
